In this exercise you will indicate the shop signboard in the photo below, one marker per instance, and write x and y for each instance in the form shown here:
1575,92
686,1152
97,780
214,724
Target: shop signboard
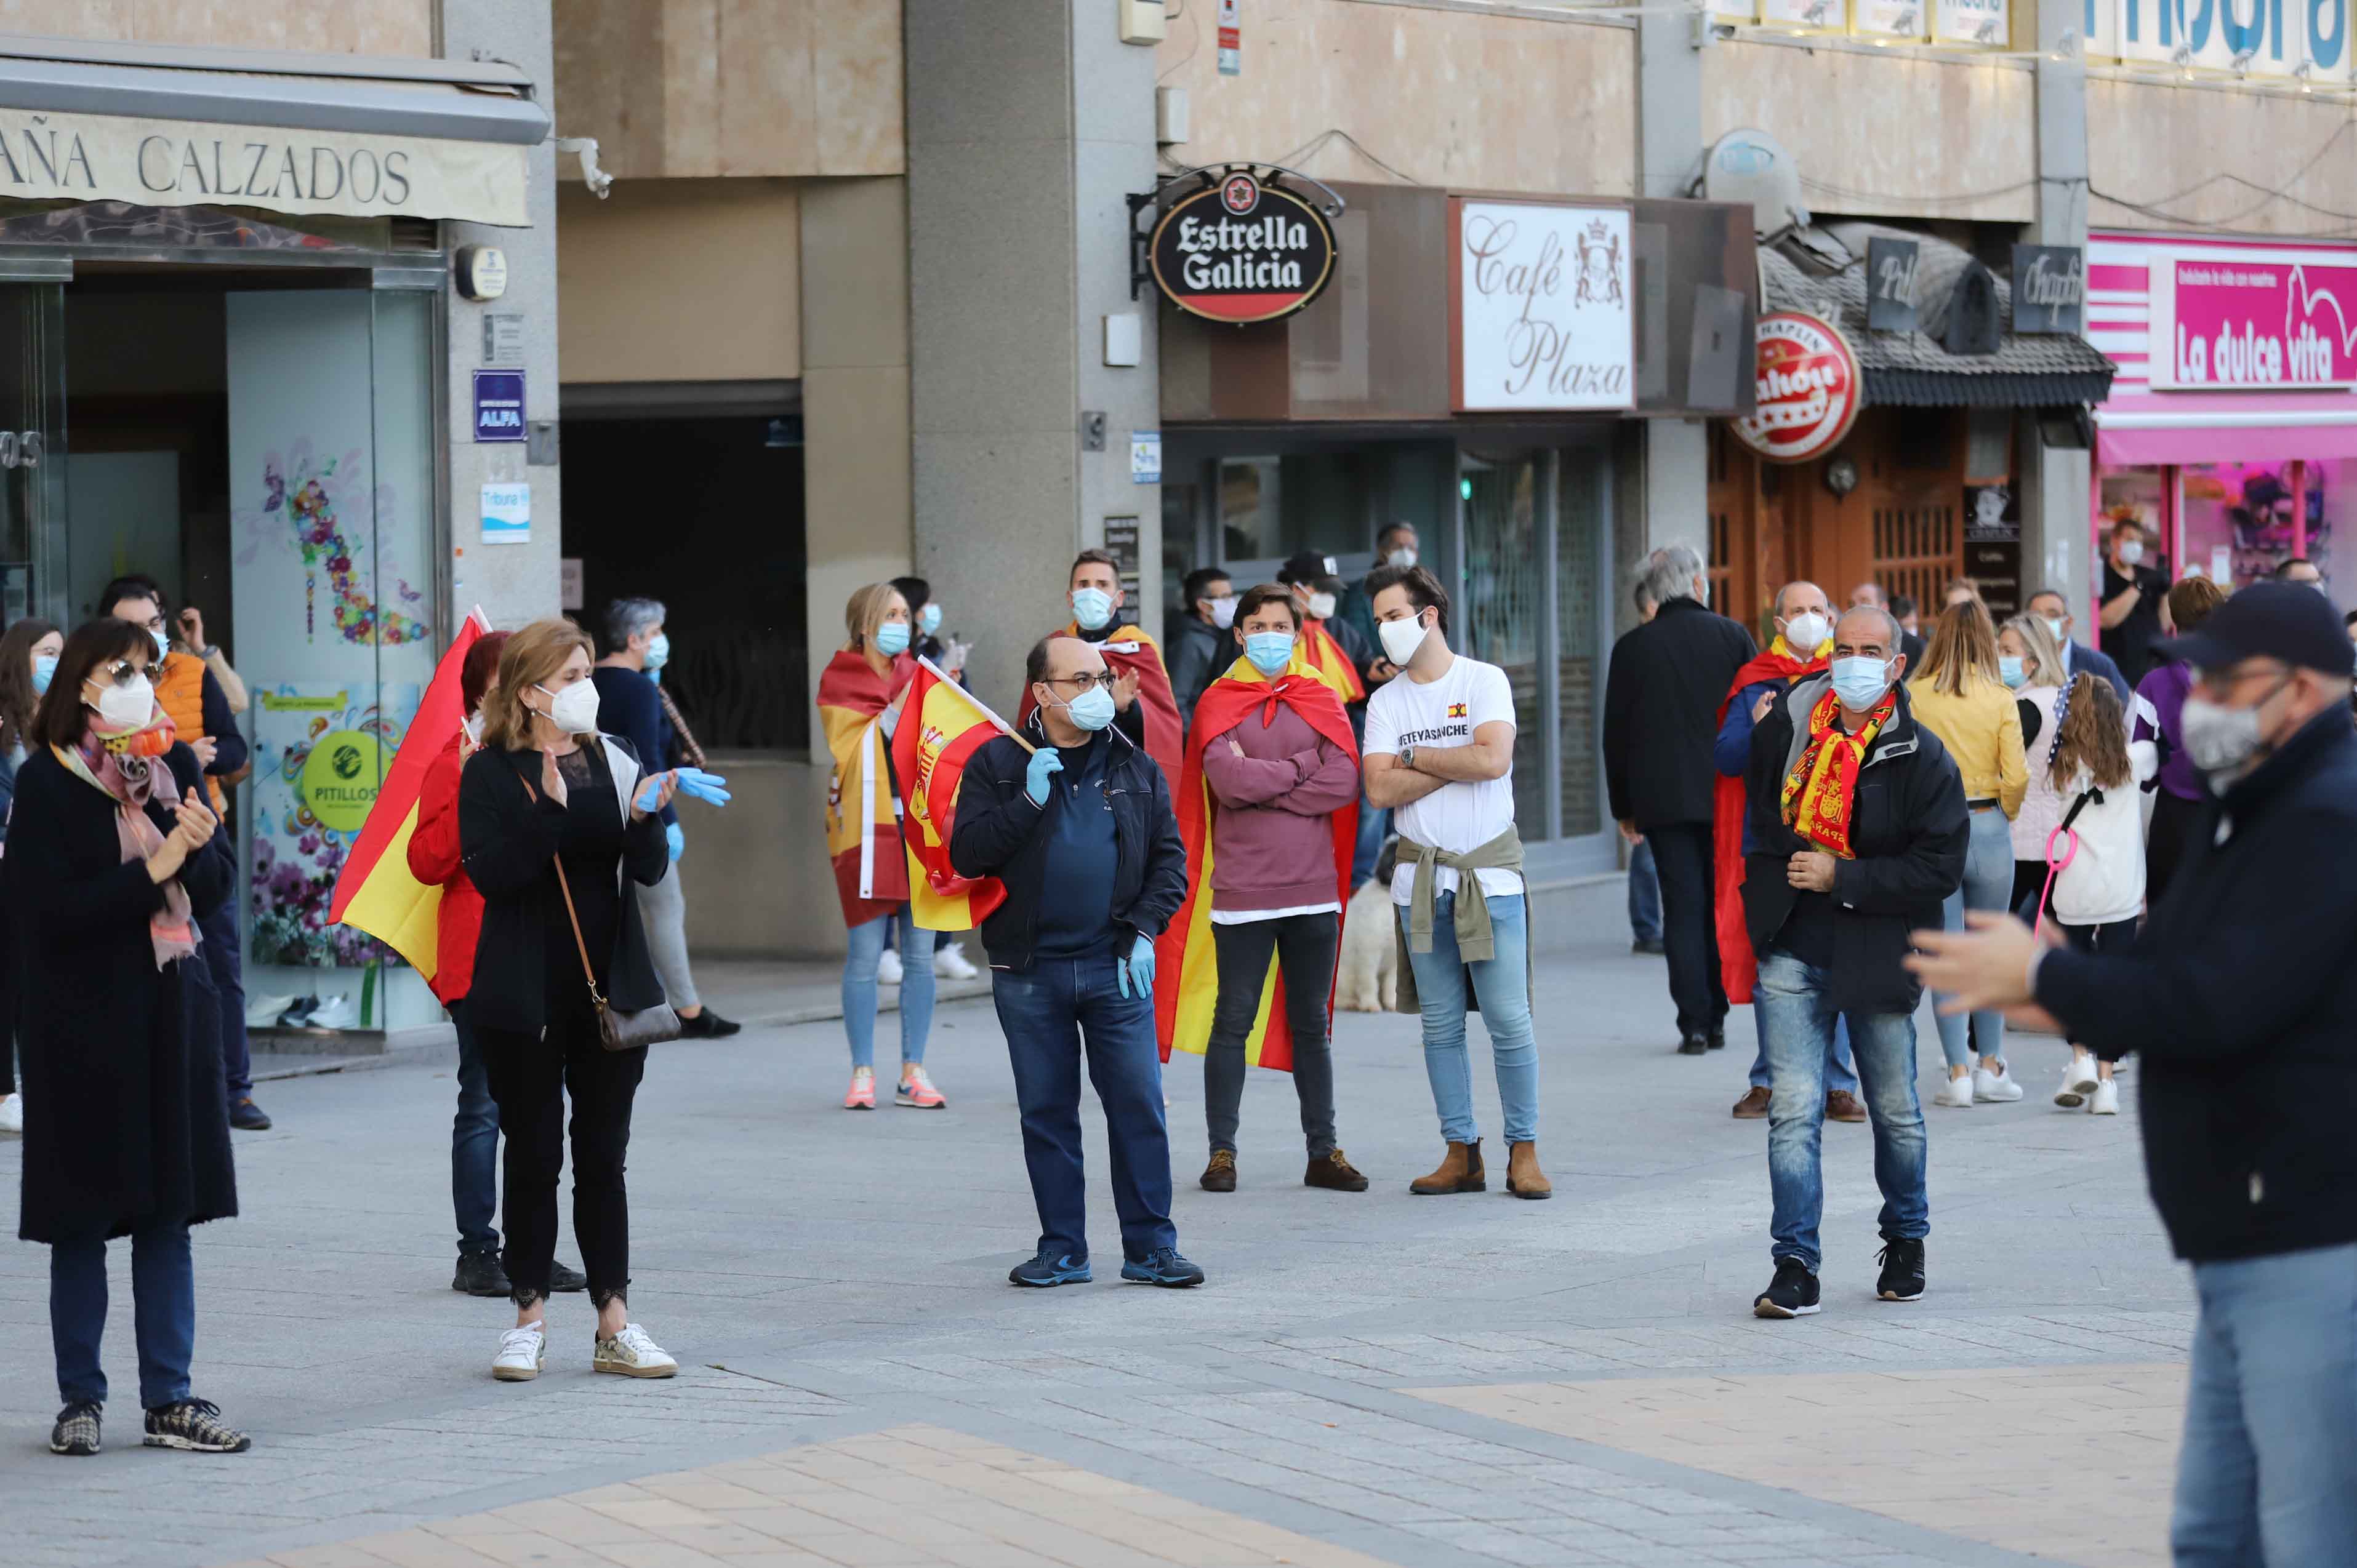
2252,318
1890,283
2251,37
1242,251
1804,15
1541,315
2050,289
1892,21
1971,24
1809,385
499,405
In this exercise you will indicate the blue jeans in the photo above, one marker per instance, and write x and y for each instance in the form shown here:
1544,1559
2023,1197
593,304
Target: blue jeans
859,988
1644,895
164,1296
1841,1074
1374,826
1988,885
1797,1020
225,963
1501,984
2271,1416
474,1144
1047,1015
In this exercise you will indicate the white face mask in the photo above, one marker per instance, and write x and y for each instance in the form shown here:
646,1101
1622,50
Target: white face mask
1401,638
1404,557
1806,633
127,706
1321,606
2220,740
2132,551
1223,612
575,709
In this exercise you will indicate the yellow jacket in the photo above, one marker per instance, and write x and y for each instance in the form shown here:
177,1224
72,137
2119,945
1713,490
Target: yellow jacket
1982,730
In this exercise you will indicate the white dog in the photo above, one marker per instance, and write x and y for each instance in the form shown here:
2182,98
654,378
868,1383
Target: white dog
1369,977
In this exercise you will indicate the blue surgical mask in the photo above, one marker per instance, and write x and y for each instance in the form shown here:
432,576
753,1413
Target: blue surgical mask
1270,651
1092,609
892,638
2010,668
657,651
2054,625
1860,683
930,617
163,645
1092,710
45,670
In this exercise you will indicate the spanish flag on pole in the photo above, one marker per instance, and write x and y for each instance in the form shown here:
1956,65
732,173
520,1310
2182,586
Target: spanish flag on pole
1185,953
941,727
375,892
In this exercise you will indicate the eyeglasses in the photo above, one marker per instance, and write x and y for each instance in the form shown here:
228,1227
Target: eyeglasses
1106,679
121,673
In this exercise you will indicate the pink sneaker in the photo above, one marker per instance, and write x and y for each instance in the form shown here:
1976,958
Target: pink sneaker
861,1096
917,1091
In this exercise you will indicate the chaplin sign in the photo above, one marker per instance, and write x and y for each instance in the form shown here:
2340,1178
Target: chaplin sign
1541,296
1809,389
2050,289
1242,251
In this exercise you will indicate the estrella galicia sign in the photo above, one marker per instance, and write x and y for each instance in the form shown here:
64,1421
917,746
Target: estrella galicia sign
1242,250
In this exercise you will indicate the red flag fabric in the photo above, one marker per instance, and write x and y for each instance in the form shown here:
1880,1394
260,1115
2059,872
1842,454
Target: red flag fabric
863,829
1129,651
1738,970
941,727
1331,664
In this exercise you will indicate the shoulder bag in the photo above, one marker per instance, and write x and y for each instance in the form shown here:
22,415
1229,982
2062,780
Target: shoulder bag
616,1030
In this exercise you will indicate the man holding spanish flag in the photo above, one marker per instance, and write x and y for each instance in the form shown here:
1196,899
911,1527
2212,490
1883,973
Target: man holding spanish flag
1857,829
1268,808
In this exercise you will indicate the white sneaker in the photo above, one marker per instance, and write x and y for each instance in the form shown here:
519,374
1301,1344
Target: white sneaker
632,1354
887,968
2106,1102
522,1351
12,1113
264,1012
952,963
337,1012
1956,1094
1996,1088
2079,1080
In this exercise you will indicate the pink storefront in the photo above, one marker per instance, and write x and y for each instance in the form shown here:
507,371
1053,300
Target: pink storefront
2230,433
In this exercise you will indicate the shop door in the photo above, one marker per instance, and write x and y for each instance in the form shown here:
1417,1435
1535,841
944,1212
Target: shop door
32,450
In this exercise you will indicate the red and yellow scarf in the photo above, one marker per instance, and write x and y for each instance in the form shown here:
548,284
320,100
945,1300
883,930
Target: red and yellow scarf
1819,792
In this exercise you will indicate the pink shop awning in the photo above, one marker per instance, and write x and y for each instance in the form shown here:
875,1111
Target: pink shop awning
2153,428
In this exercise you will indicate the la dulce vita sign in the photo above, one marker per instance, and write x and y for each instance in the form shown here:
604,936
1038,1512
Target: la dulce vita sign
2257,318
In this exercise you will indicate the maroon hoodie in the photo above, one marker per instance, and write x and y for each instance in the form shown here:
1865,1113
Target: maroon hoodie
1278,785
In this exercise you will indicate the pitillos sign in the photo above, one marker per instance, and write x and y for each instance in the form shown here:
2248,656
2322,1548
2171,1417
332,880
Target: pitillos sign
1242,249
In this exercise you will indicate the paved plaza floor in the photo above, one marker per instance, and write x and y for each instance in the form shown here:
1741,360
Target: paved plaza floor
1366,1380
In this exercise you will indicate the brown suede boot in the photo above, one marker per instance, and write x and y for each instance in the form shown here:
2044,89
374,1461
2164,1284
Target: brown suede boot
1460,1171
1220,1175
1334,1173
1524,1178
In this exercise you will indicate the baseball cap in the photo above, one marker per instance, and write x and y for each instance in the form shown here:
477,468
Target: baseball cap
2290,621
1306,568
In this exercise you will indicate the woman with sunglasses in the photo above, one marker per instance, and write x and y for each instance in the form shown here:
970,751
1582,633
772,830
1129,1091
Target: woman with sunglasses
112,860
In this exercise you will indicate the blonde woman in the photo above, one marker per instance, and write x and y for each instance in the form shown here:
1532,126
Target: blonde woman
2031,664
1960,695
548,790
864,683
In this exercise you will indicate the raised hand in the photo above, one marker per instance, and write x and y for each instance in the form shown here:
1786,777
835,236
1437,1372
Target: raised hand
552,778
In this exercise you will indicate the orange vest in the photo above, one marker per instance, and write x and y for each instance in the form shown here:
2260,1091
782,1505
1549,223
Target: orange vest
180,691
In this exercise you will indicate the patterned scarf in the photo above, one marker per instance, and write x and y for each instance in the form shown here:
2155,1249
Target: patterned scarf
122,766
1818,791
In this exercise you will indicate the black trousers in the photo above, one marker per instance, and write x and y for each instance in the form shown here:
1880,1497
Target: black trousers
530,1077
1305,945
1690,925
2174,820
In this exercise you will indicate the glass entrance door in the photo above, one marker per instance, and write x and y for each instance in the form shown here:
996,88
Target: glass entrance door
32,451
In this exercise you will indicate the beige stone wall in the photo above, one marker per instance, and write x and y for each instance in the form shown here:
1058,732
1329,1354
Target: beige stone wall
338,26
2172,147
690,88
680,280
1815,101
1445,98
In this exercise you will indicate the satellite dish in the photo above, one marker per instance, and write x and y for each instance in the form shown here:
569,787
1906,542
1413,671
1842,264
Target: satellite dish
1753,167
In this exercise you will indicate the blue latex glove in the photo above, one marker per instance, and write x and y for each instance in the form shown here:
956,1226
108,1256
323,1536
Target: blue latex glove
1137,970
1044,761
708,788
674,837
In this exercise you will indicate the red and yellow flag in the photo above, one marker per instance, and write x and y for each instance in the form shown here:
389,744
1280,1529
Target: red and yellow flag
1129,651
1185,956
1330,664
863,819
941,727
375,892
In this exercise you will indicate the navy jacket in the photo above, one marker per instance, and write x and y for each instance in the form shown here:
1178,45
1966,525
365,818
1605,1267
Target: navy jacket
2240,995
2085,660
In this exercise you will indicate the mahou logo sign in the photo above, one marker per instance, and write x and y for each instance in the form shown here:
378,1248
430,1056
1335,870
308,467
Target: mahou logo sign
1809,388
1241,250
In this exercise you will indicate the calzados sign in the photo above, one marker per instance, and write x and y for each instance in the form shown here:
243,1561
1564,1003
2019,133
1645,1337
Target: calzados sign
1241,250
1809,388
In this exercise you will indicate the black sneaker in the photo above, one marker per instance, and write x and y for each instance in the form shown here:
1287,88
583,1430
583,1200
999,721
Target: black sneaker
480,1273
1051,1269
1649,947
1791,1293
1164,1267
1693,1045
564,1278
1902,1269
195,1426
246,1116
76,1432
707,1025
1718,1036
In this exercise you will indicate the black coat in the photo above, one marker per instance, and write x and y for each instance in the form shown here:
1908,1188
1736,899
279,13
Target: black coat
1198,653
2241,996
1909,829
508,840
1001,833
125,1120
1661,714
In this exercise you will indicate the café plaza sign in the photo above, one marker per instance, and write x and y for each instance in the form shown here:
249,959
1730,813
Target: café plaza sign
1809,389
180,163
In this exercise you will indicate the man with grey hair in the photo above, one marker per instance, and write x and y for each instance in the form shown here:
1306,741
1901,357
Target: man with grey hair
632,705
1662,700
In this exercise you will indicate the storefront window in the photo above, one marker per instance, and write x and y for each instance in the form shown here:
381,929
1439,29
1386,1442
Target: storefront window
1505,586
2237,520
1580,617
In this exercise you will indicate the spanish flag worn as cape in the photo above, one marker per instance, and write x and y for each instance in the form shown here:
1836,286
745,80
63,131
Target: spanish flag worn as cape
1129,651
1330,663
863,810
1184,954
941,727
1738,970
375,892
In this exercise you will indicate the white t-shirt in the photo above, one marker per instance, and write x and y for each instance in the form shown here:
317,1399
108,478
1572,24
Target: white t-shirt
1458,816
